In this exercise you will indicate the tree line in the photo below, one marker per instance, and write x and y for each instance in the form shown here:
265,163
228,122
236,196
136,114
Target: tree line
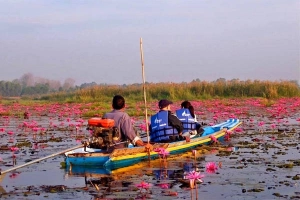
29,85
194,90
45,89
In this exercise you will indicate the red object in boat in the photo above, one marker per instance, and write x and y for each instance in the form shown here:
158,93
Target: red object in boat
97,121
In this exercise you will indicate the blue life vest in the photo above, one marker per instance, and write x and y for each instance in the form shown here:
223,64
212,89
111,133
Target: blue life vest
187,120
160,129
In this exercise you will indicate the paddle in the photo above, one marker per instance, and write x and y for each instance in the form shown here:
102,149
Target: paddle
40,159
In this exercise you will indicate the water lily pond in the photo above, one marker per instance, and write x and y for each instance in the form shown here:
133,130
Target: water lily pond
259,160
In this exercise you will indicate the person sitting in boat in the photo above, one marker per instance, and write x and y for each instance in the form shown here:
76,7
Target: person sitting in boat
165,126
123,123
188,118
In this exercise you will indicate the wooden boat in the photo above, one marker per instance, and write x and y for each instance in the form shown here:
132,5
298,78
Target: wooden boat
124,157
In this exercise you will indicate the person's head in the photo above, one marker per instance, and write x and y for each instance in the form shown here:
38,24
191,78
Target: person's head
164,104
118,102
186,104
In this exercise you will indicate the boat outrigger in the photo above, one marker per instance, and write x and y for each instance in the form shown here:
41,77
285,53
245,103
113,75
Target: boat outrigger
98,153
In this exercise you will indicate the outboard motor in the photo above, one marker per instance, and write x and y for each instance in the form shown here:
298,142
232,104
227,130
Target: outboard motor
105,134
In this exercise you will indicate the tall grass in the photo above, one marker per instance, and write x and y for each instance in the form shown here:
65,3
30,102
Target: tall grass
194,90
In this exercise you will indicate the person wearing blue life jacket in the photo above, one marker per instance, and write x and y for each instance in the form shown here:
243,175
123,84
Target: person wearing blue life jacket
188,118
165,126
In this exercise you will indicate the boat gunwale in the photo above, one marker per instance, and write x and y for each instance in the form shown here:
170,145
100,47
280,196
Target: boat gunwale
173,147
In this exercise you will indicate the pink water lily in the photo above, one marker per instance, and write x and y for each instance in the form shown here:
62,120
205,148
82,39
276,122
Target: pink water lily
10,132
214,140
14,148
273,138
143,127
163,185
193,175
162,152
143,185
238,130
227,135
211,167
273,126
13,175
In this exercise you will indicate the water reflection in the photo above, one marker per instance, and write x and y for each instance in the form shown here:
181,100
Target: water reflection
149,180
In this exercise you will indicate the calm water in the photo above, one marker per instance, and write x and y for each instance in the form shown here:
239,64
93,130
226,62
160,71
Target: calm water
257,163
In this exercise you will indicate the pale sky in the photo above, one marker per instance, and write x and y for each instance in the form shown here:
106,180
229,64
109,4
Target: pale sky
99,41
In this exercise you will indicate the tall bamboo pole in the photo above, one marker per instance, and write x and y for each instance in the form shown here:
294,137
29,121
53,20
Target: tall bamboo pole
144,88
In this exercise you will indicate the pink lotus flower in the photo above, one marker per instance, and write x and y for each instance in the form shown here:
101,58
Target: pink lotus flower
273,138
261,123
227,135
161,152
143,127
13,175
163,185
193,175
10,132
35,129
14,148
143,185
211,167
238,130
273,126
213,139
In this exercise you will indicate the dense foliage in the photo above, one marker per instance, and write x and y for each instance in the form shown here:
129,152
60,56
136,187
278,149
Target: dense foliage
30,87
179,91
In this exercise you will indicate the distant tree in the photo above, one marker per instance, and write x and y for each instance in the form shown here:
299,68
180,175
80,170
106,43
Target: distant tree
69,83
54,85
196,80
27,80
221,80
86,85
10,88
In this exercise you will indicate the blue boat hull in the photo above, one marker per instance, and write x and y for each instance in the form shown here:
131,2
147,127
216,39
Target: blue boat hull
128,156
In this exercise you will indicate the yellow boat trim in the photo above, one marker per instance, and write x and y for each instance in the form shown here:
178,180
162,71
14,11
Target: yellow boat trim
219,134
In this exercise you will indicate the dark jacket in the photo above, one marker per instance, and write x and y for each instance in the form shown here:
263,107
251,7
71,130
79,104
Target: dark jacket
175,122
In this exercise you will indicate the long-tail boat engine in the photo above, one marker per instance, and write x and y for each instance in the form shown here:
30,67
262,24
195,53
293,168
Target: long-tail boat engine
104,133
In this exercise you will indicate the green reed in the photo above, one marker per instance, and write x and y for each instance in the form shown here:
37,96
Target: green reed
194,90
